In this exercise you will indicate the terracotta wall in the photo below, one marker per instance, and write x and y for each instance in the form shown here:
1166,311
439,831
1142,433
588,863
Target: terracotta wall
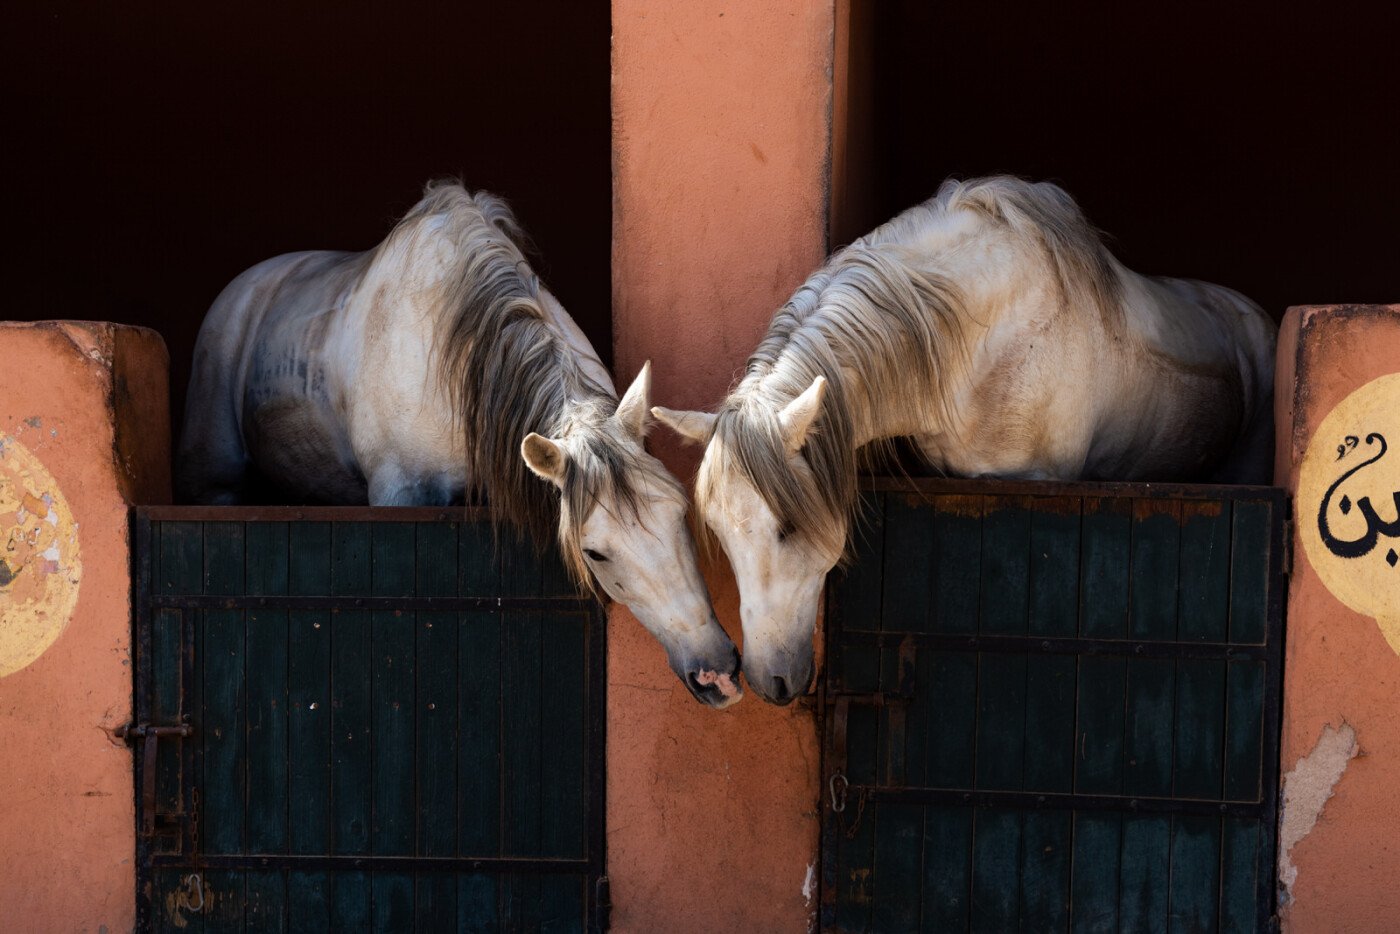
1339,396
720,139
83,431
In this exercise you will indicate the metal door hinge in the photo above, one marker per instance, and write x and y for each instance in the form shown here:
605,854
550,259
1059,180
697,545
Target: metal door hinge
602,904
150,735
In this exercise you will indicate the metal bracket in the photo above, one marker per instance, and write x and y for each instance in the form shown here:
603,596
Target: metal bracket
150,735
602,904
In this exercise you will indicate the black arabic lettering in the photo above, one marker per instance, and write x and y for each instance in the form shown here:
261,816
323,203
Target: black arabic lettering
1375,526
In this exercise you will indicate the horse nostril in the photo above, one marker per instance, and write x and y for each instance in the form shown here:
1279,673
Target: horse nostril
780,690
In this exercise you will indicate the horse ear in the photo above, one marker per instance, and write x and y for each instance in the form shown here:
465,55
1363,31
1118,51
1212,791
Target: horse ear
796,418
632,410
693,426
545,457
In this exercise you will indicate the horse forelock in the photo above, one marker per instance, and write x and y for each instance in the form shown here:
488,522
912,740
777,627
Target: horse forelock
604,470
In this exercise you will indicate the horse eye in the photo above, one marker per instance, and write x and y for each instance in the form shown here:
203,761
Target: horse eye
783,533
594,555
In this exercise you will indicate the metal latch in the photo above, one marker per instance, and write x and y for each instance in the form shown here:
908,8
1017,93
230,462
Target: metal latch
151,735
602,904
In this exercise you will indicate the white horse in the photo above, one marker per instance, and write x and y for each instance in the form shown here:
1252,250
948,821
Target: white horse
435,366
992,327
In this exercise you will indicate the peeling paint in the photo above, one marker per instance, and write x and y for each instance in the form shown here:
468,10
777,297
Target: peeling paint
809,884
1306,790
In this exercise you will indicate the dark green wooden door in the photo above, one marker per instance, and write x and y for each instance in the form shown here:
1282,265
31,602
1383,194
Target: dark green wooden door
392,725
1054,708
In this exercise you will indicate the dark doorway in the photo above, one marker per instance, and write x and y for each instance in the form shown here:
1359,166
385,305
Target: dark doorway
161,149
1250,145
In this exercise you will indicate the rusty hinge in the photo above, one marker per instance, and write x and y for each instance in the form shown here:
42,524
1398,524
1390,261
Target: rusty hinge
151,735
602,904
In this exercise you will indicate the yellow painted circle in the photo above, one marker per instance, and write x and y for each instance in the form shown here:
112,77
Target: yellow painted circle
39,562
1348,504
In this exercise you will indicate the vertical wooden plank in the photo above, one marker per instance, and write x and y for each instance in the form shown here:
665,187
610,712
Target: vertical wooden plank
167,638
1001,721
1049,756
224,895
952,735
1156,557
1094,886
350,891
224,789
562,707
479,718
391,904
436,706
436,902
309,899
179,569
1249,572
266,901
1195,873
1006,554
898,857
907,591
266,572
1099,736
563,903
1054,566
1200,732
309,716
1148,749
947,869
957,561
392,637
1142,886
563,793
1204,612
1239,882
478,898
996,871
862,585
522,761
1045,864
1244,714
1106,529
351,679
856,825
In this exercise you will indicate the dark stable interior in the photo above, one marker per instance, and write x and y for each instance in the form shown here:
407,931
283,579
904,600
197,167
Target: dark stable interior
1253,145
155,151
163,148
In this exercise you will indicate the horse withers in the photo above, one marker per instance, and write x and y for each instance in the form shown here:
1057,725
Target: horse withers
435,366
992,327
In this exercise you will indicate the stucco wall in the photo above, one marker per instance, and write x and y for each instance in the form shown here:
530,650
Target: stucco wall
83,428
720,139
1340,830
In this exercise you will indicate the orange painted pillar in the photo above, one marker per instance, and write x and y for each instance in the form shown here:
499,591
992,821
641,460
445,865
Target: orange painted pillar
1338,408
84,430
721,124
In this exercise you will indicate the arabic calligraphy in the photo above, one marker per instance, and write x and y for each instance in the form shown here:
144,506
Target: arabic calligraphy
1375,525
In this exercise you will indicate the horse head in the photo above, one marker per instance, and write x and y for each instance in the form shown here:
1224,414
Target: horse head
759,497
623,525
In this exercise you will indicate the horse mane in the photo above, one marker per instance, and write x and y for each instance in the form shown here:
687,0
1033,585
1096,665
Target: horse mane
881,315
508,371
1044,214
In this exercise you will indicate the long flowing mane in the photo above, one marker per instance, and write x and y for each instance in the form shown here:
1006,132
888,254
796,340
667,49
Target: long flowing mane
508,371
885,318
